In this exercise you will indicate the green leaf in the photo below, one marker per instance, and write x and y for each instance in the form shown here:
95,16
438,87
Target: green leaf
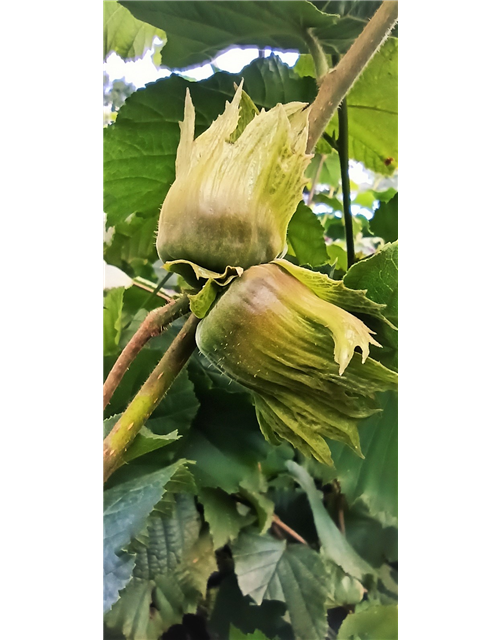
372,483
269,569
225,442
329,173
338,254
232,608
385,221
170,575
333,543
222,514
144,442
376,623
264,507
126,508
177,409
378,276
304,67
236,634
132,247
141,146
306,237
373,112
128,37
113,305
213,28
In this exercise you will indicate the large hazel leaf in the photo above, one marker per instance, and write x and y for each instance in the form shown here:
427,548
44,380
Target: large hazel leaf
373,112
126,508
269,569
126,35
170,575
141,146
214,27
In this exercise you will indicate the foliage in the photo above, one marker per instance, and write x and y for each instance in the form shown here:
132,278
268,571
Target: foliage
207,522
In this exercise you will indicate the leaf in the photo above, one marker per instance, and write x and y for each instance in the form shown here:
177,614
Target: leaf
144,442
225,441
372,483
385,220
128,37
269,569
113,304
376,623
333,543
233,609
170,575
378,275
213,28
329,174
338,254
264,507
236,634
305,235
132,247
373,112
126,508
221,513
141,146
177,409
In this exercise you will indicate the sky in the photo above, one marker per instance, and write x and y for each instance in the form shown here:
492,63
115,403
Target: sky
139,72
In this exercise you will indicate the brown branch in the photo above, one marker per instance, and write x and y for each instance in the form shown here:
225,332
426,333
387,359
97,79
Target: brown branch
336,83
147,399
277,521
154,323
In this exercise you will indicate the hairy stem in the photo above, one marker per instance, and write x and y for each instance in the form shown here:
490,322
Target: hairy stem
154,323
337,82
343,149
320,60
149,396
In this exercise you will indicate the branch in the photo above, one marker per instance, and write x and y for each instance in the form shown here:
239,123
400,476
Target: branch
343,151
277,521
149,396
154,323
337,82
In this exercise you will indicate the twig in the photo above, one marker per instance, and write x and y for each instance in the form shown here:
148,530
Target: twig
337,82
285,527
149,396
343,143
154,323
